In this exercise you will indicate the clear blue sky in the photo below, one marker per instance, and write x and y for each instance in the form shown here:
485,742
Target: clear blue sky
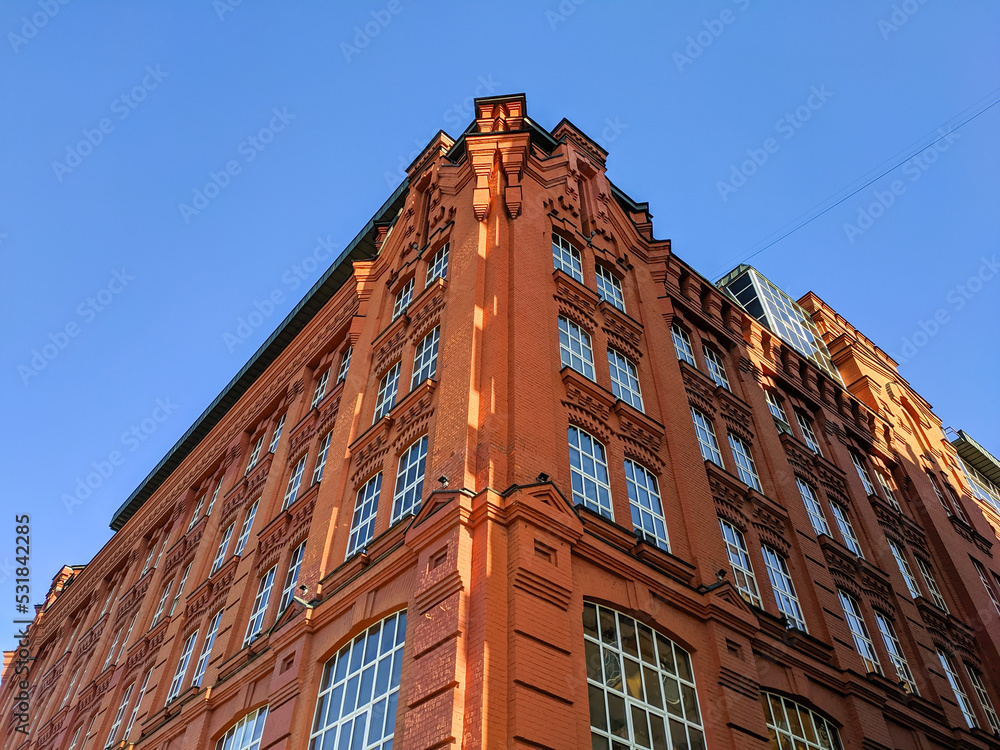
820,93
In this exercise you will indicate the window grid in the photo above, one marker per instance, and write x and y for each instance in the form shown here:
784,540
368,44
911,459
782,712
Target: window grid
716,367
256,622
365,509
215,495
410,480
111,652
707,443
624,379
245,531
245,735
609,288
745,466
254,454
294,483
182,665
932,587
813,508
119,716
682,344
196,514
356,706
324,448
862,641
793,725
180,590
320,391
846,529
963,700
345,365
776,409
647,509
904,568
291,577
890,495
984,699
574,348
739,560
641,685
220,553
206,650
128,634
866,480
138,703
566,258
161,606
805,424
784,589
403,299
276,435
589,472
896,655
438,268
988,585
386,392
425,359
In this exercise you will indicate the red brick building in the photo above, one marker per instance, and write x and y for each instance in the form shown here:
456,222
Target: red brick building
513,475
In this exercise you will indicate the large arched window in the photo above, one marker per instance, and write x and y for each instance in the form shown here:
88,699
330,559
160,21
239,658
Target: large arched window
356,707
245,735
792,725
641,686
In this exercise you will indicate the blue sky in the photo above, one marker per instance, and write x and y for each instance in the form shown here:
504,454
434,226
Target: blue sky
734,120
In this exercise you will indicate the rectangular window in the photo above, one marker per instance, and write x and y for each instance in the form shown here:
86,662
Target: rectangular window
215,496
196,514
862,641
162,605
324,448
241,542
294,483
896,655
220,553
138,703
866,480
320,391
566,258
69,691
180,590
932,587
425,359
805,424
739,560
114,643
256,623
984,699
890,495
276,435
682,344
784,589
644,500
574,348
589,472
813,508
254,454
292,577
624,379
963,700
904,568
403,298
182,665
745,466
438,268
116,724
345,365
716,368
386,392
410,480
706,438
777,411
206,650
988,585
846,529
609,288
365,509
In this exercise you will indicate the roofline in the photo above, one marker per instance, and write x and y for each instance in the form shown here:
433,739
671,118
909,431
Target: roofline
361,248
977,457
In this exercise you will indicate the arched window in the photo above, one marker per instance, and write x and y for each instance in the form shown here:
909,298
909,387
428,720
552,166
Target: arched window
792,725
640,685
245,735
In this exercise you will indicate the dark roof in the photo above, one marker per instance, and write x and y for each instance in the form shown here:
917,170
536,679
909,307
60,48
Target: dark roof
977,457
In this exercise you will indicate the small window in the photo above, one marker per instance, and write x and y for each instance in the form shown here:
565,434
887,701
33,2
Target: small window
256,622
866,480
215,495
294,483
862,641
777,411
647,509
716,368
808,435
425,358
624,379
745,466
896,655
254,454
276,435
438,268
345,365
365,509
403,299
177,596
589,472
890,494
574,348
989,585
784,589
116,724
324,449
197,513
320,391
706,438
904,568
566,258
682,344
963,700
135,708
220,553
813,508
292,577
182,665
609,288
846,529
246,734
206,650
386,392
156,616
739,560
410,480
245,531
932,587
984,699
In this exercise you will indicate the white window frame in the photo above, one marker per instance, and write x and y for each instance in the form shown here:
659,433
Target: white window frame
114,645
896,655
215,495
241,541
138,703
840,515
246,731
292,576
320,391
575,348
777,410
182,665
403,299
220,553
987,584
716,367
294,482
890,494
866,479
365,513
276,435
256,622
745,466
936,596
739,560
119,716
591,488
964,704
324,448
822,736
609,287
708,444
438,267
808,433
984,699
425,358
345,364
410,480
196,514
566,258
162,605
904,567
387,388
624,379
206,650
180,590
647,508
682,344
813,508
254,454
783,588
859,631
